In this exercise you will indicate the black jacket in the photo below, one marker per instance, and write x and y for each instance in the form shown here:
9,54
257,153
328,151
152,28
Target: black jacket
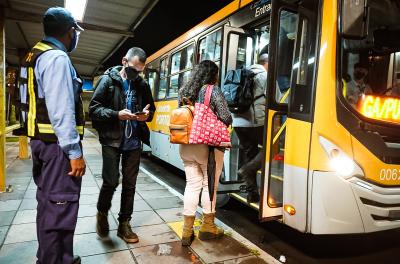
108,99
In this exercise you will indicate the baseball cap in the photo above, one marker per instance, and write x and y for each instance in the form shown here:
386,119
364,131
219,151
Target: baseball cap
59,18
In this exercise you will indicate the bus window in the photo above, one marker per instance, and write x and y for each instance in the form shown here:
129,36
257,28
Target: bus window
303,62
262,40
181,66
240,51
173,86
175,62
287,35
162,90
210,47
371,68
152,78
187,58
302,72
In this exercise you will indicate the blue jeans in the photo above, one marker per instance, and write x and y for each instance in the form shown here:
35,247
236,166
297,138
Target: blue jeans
283,83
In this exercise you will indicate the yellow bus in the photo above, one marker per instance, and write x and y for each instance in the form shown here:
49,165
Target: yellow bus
332,136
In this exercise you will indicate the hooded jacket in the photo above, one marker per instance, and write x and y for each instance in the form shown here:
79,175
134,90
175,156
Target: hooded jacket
108,99
255,116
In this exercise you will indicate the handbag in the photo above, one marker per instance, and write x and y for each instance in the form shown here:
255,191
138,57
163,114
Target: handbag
180,123
207,128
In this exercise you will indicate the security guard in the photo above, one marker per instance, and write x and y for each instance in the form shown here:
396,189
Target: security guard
55,125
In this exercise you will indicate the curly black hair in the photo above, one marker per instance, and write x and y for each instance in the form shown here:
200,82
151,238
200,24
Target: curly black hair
206,72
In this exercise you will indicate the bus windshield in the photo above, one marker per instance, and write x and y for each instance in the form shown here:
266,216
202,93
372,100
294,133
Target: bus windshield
370,67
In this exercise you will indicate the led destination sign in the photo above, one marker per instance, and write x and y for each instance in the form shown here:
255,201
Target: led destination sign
381,108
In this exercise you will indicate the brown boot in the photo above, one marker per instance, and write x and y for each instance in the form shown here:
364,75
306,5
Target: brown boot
208,229
125,232
187,233
102,227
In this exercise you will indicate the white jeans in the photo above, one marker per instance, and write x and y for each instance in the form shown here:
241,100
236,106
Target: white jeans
195,159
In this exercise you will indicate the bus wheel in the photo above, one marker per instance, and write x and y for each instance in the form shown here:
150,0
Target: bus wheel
222,199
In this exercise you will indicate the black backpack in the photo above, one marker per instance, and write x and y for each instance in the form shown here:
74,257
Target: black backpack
238,89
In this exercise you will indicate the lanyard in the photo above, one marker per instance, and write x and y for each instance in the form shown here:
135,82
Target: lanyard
128,105
128,95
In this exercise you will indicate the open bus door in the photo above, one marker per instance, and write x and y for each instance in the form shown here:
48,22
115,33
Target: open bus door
238,47
285,186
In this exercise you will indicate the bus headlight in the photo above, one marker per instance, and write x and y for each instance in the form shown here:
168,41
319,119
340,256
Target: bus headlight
339,161
343,165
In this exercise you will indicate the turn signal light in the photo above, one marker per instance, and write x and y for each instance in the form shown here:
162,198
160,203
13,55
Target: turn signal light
289,209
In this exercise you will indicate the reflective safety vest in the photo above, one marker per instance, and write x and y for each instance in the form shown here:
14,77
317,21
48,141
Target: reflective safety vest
34,117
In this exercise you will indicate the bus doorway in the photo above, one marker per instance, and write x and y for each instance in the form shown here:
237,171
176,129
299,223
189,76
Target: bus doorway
243,48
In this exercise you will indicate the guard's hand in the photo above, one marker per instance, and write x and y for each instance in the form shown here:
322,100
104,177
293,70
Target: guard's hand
144,117
78,167
125,115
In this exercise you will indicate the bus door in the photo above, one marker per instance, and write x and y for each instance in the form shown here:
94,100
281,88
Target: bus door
240,48
284,186
234,54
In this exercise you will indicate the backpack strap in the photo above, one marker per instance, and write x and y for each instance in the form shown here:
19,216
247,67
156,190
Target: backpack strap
207,97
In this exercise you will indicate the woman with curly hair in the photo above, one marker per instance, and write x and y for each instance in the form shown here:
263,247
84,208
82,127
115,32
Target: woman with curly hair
195,157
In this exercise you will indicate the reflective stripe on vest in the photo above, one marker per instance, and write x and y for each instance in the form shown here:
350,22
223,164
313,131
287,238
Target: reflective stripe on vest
32,104
42,46
37,122
48,129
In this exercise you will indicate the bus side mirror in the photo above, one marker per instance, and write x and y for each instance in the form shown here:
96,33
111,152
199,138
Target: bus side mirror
354,19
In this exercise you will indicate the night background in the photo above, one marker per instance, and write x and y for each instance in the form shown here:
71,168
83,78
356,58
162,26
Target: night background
167,21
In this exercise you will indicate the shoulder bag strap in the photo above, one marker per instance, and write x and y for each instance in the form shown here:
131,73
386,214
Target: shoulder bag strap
207,97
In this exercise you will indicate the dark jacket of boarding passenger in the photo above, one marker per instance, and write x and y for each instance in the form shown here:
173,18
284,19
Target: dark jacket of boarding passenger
108,99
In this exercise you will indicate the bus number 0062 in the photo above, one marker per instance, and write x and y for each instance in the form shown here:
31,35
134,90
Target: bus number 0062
389,174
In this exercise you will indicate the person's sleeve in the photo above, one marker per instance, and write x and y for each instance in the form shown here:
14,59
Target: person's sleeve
221,107
150,101
58,89
97,106
264,82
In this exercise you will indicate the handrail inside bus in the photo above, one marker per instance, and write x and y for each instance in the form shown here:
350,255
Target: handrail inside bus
284,96
279,132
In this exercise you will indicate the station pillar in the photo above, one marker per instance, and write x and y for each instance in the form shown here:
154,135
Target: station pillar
2,103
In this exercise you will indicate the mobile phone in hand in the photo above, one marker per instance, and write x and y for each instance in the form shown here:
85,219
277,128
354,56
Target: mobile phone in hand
140,113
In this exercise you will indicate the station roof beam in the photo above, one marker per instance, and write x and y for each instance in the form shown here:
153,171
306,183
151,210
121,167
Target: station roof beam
107,25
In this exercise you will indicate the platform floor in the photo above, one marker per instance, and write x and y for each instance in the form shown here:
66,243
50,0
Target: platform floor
157,220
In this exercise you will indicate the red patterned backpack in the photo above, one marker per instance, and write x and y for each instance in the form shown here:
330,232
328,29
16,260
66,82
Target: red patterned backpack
206,127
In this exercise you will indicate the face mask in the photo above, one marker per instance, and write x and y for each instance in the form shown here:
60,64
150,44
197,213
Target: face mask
131,74
359,75
74,41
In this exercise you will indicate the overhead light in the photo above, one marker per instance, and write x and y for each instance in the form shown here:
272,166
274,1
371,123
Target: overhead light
76,7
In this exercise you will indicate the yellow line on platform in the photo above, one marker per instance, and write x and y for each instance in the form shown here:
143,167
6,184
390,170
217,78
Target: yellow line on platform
177,227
